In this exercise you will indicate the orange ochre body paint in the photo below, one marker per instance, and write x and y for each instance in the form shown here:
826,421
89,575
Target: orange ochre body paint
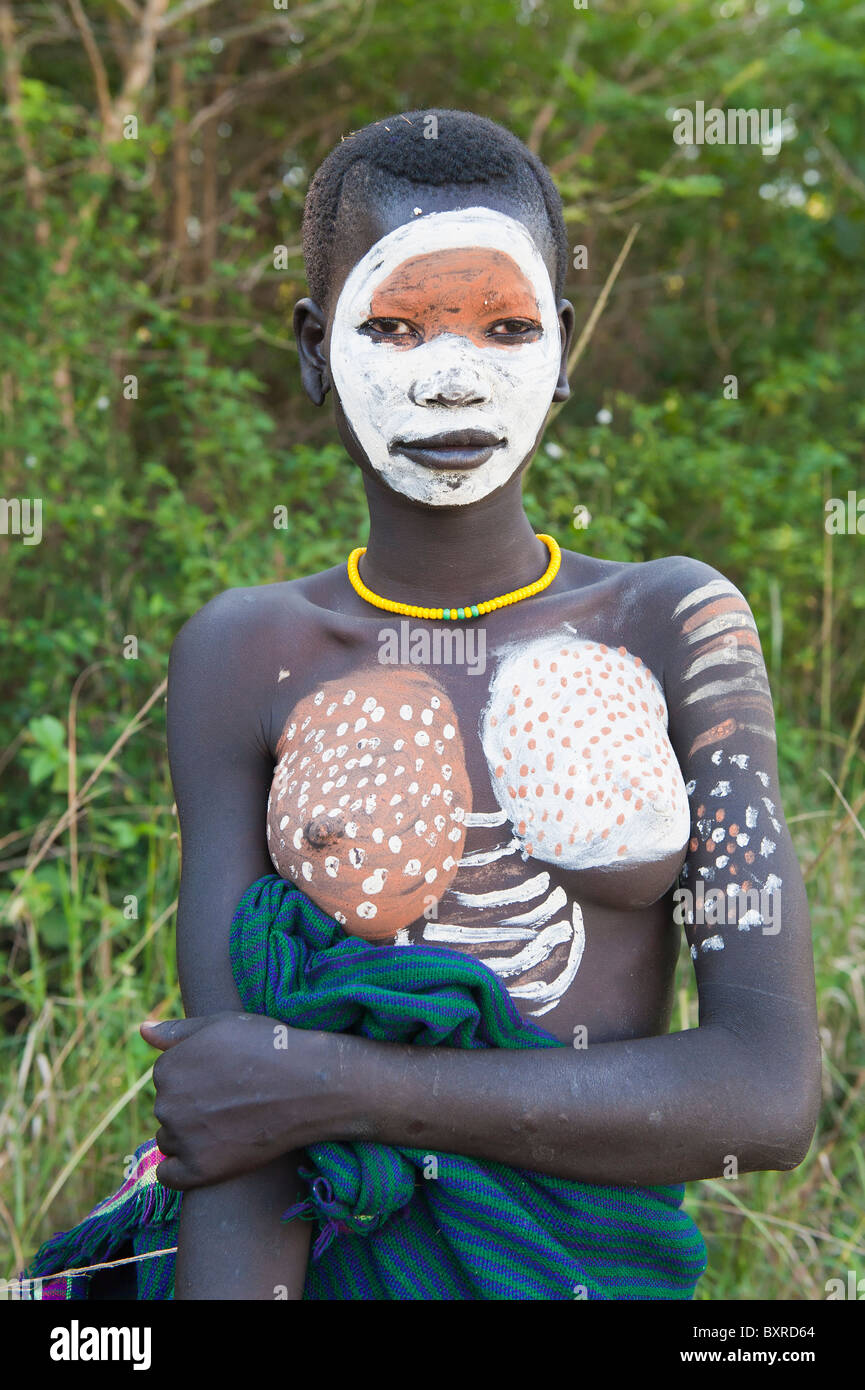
459,290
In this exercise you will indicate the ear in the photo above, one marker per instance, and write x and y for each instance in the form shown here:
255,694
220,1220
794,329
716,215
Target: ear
310,328
567,321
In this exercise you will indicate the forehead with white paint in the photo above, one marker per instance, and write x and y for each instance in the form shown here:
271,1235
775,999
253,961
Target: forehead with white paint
462,229
456,278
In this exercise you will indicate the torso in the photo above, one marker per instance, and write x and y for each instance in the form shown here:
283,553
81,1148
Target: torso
523,804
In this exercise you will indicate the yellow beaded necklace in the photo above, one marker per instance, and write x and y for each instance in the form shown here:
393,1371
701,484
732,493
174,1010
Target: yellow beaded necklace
469,610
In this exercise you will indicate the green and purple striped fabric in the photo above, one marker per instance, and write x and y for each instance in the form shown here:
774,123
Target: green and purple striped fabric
405,1223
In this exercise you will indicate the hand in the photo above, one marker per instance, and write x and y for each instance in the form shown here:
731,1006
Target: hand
234,1091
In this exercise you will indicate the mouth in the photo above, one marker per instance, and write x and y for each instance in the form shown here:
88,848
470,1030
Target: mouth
452,449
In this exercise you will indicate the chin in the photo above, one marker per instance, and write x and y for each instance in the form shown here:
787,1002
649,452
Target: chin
457,488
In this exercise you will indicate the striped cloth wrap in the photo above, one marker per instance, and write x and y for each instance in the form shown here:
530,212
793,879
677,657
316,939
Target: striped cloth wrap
397,1222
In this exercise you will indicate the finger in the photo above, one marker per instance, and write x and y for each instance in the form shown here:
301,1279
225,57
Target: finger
169,1032
164,1142
171,1173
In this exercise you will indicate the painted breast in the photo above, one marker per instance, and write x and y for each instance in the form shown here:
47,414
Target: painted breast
367,806
575,736
371,804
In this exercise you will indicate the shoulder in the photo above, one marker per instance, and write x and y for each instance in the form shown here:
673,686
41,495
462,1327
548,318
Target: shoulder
225,661
239,621
237,632
679,599
673,583
236,617
686,610
654,586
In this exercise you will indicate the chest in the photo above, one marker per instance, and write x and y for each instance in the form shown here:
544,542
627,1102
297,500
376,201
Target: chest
405,793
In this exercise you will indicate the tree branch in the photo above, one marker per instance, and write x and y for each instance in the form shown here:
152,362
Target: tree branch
33,177
182,11
100,76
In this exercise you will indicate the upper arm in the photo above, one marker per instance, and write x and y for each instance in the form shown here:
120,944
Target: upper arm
741,896
221,769
232,1243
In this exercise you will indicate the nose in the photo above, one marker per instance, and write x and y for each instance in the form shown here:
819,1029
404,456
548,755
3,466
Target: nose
456,382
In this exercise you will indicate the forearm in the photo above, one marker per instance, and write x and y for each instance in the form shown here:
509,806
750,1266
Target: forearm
232,1244
656,1110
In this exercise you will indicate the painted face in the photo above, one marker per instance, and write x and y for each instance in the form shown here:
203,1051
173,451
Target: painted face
448,324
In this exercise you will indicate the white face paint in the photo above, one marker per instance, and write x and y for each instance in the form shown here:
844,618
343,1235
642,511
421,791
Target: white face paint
450,370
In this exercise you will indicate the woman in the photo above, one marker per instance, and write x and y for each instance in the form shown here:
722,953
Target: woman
531,798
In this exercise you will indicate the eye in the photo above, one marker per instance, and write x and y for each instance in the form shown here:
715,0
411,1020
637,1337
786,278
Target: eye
392,329
515,328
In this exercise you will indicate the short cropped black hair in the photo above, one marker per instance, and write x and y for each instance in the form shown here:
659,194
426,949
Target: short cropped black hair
466,149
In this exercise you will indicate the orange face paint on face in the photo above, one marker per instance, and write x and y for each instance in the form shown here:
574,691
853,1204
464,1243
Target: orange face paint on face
463,290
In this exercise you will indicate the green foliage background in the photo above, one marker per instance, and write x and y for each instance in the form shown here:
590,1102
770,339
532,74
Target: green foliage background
152,258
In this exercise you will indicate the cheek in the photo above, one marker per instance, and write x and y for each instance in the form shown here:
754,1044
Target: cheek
362,368
539,361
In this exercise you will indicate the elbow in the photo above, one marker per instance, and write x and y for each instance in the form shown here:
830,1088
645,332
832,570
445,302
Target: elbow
793,1140
785,1117
802,1123
796,1152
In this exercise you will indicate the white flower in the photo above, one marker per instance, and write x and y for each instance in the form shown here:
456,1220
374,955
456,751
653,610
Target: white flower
604,417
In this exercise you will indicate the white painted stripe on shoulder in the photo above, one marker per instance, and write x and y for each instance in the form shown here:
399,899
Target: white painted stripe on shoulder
722,656
758,729
706,692
706,591
723,623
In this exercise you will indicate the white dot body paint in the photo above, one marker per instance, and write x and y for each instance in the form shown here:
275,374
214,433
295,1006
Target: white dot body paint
383,388
575,736
350,872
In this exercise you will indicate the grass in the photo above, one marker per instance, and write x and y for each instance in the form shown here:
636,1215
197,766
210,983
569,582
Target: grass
83,974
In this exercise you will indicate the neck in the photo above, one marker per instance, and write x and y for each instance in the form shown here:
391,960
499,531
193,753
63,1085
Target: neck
435,557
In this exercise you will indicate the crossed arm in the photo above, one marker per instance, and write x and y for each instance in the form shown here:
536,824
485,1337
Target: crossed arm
745,1083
